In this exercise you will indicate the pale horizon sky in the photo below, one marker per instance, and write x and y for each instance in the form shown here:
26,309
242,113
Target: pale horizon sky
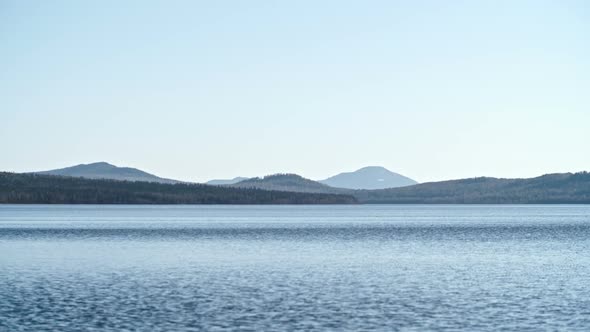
191,90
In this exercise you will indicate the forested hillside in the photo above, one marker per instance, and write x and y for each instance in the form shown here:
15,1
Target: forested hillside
546,189
50,189
288,182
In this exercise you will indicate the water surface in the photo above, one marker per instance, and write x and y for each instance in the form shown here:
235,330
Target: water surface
383,267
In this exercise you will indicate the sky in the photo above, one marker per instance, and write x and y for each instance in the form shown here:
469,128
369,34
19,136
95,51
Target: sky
196,90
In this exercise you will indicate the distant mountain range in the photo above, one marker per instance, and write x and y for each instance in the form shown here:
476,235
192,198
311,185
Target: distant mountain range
372,177
103,170
345,183
550,188
365,178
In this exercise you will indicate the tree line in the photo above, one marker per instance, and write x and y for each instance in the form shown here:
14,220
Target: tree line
18,188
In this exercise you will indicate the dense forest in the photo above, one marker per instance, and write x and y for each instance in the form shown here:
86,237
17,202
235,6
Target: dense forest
51,189
566,188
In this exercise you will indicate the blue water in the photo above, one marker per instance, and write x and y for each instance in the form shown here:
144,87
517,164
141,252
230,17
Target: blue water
274,268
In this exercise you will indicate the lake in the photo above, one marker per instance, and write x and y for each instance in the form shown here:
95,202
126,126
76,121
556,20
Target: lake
274,268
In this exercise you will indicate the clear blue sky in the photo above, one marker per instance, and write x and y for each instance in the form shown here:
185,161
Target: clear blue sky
214,89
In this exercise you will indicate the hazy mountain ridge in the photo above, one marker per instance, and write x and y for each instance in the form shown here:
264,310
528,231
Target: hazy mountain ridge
104,170
371,177
225,182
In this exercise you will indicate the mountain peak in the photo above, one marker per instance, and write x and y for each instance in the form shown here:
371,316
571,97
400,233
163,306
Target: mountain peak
95,165
98,163
369,177
373,169
104,170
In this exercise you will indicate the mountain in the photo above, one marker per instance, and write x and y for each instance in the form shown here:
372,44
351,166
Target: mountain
372,177
288,182
566,188
103,170
225,182
34,188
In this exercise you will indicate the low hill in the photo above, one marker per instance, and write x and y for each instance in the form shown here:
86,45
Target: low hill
103,170
51,189
372,177
567,188
287,182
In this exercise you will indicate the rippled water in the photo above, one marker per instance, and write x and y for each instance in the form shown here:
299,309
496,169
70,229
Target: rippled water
193,268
